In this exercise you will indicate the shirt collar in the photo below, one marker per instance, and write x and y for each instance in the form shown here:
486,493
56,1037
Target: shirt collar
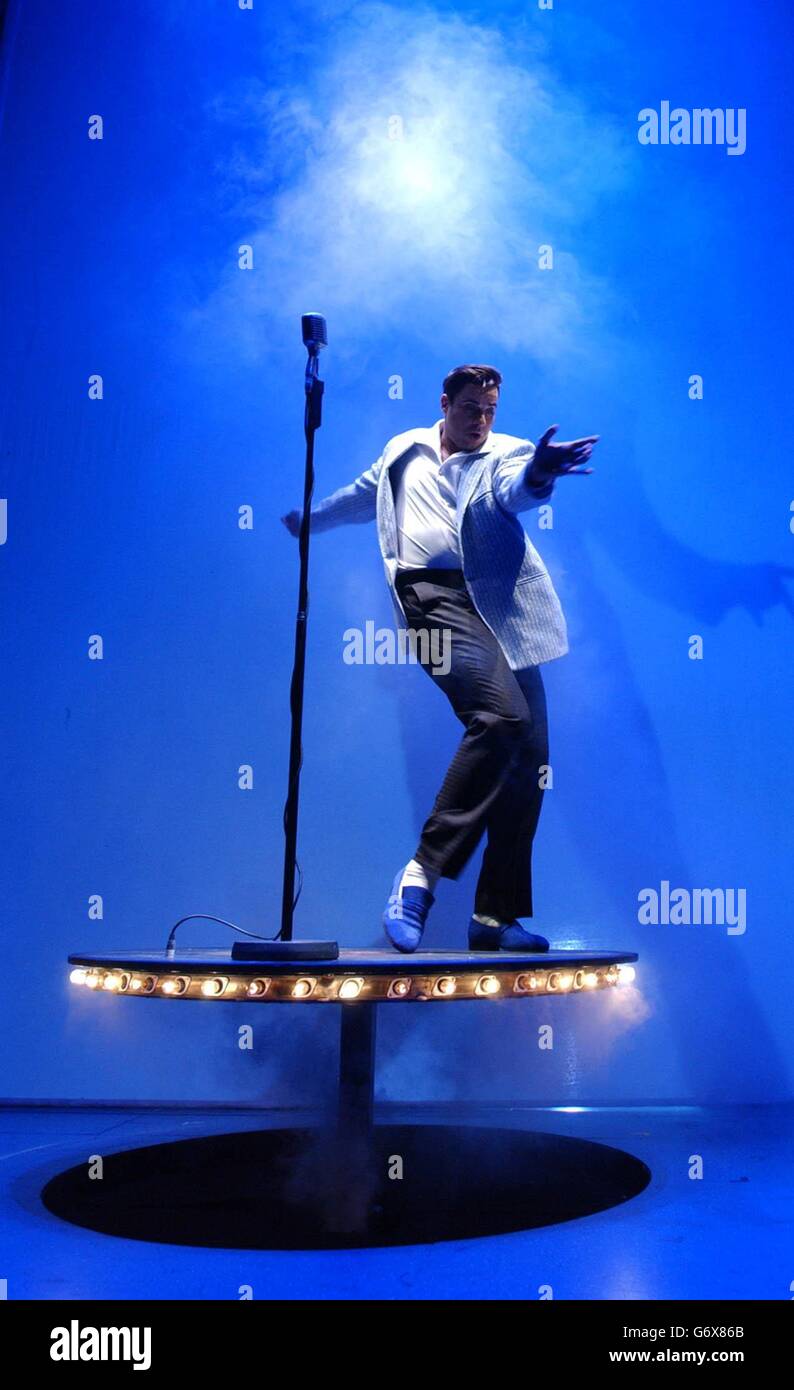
432,436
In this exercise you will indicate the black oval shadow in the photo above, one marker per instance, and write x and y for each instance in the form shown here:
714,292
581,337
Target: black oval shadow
322,1189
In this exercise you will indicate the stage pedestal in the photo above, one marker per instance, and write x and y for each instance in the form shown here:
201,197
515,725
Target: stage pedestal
357,1037
348,1181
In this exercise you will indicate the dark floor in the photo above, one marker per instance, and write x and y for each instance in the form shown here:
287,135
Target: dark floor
726,1235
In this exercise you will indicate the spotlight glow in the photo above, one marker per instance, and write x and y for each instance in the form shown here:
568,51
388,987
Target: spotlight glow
415,170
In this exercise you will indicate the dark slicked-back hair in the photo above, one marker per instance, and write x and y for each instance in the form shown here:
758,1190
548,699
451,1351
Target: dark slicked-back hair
470,376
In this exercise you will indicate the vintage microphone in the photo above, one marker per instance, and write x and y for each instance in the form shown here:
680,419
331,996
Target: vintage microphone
315,337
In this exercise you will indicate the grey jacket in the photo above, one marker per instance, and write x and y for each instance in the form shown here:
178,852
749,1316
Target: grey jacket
506,578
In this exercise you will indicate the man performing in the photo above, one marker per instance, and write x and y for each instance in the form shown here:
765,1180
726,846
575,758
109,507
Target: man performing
458,562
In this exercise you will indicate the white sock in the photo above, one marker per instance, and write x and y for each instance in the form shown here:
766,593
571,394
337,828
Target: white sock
414,876
488,921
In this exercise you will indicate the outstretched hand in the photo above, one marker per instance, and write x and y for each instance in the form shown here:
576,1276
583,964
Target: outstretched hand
550,460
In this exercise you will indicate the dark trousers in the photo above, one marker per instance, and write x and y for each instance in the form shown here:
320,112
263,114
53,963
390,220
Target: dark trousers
492,784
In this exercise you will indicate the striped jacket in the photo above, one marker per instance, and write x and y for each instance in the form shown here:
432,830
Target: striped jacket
508,582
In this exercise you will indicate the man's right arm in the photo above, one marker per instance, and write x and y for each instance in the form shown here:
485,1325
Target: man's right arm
356,502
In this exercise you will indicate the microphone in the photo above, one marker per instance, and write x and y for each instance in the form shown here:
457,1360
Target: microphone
315,332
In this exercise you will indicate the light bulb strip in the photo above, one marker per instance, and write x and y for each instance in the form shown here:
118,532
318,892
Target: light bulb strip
377,987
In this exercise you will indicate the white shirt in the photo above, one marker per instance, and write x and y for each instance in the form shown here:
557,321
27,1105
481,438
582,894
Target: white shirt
425,491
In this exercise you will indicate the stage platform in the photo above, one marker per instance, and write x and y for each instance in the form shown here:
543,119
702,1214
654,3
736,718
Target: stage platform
354,976
335,1186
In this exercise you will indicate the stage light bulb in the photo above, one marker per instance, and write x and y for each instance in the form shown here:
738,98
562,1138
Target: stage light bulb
489,985
136,983
212,988
258,987
400,988
77,977
446,985
566,980
301,988
527,983
350,989
626,973
590,980
177,984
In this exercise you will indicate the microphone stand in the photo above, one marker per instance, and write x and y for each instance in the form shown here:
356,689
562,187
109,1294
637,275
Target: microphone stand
283,947
312,422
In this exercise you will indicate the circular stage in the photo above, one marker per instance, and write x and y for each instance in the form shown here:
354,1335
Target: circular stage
353,1182
354,977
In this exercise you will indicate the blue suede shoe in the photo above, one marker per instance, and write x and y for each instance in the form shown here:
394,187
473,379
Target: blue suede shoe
511,937
406,914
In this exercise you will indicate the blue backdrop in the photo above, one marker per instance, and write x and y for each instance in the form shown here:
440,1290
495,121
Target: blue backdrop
398,168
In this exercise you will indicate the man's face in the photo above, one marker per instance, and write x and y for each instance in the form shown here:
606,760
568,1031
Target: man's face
469,417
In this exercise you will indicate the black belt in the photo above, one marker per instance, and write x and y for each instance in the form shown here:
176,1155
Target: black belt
452,578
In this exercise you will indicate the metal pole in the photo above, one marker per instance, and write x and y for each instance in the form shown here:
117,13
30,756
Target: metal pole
312,422
357,1030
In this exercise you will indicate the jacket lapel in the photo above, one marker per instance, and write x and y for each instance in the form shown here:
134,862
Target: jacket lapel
470,476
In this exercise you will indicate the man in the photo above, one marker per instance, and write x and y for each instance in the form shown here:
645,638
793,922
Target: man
457,560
